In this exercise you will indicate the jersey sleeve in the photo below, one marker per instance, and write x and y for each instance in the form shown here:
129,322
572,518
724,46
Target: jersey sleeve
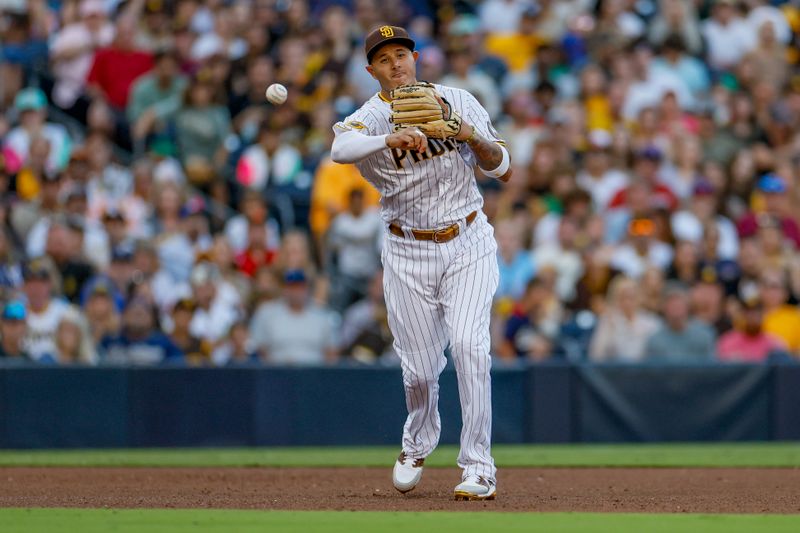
360,122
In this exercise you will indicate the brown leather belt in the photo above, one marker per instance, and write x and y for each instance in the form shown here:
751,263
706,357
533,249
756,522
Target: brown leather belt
438,236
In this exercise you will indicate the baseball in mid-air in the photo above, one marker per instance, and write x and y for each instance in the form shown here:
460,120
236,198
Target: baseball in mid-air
276,94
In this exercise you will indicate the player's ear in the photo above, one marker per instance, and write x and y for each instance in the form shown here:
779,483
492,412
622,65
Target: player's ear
416,55
371,71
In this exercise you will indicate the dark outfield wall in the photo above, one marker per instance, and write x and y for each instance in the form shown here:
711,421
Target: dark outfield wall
118,407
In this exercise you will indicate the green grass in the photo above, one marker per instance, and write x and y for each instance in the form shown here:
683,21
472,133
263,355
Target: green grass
178,521
574,455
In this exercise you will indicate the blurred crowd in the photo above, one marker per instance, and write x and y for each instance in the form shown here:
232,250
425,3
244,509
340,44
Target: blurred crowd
155,208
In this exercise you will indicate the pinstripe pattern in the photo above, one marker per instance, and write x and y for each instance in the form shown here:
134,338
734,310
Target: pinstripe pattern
438,294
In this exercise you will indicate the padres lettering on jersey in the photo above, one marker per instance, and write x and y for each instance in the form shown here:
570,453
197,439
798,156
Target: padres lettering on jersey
423,190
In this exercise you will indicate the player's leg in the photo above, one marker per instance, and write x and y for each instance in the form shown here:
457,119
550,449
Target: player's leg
417,324
468,287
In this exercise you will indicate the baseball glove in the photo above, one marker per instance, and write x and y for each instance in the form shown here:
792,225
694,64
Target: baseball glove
420,106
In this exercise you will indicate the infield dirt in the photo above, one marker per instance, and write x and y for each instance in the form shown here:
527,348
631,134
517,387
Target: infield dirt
695,490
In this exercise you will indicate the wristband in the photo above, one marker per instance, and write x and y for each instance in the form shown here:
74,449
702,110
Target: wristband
502,168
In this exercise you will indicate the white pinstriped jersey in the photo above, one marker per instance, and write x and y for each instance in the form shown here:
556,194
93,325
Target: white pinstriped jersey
429,190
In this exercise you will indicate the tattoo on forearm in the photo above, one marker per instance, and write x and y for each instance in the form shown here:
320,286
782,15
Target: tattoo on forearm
488,153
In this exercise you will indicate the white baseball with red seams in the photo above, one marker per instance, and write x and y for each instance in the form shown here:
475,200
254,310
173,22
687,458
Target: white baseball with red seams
276,94
437,294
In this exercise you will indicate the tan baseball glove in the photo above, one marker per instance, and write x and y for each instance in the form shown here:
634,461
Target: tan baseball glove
419,105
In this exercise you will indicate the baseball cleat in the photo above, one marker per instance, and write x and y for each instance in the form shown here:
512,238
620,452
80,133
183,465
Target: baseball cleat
407,472
475,488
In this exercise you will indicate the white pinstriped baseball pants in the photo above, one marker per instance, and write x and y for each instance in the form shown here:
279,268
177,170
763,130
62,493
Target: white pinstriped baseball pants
438,294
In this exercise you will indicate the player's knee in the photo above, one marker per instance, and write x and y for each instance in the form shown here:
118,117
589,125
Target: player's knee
470,357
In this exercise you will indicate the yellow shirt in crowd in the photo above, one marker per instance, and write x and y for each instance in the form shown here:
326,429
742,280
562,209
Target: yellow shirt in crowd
784,322
332,185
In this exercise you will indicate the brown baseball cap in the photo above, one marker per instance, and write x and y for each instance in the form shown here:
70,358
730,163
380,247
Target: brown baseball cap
383,35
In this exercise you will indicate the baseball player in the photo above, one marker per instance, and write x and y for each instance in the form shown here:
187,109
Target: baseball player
418,144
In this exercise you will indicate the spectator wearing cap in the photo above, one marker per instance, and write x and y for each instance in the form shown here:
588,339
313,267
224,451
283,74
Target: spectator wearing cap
646,164
31,104
194,350
44,312
139,342
218,304
777,205
749,343
12,332
641,250
354,251
117,66
597,176
72,52
156,96
688,224
292,331
681,339
102,305
623,327
780,318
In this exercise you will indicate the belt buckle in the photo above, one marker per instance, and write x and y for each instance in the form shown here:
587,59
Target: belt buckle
444,233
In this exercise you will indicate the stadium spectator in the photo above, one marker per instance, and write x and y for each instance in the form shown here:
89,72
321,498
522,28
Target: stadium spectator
140,342
515,263
43,311
681,339
749,342
33,135
73,342
624,328
194,350
291,330
532,328
156,96
12,332
217,303
353,245
238,349
780,318
679,119
117,66
365,333
72,53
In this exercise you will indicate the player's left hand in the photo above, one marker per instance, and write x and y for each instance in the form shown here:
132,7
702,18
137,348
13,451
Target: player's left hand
408,139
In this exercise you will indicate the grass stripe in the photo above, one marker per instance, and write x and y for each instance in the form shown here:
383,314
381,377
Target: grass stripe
219,521
575,455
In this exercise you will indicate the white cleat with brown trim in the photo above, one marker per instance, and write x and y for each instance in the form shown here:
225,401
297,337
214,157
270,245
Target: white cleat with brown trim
407,472
475,488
